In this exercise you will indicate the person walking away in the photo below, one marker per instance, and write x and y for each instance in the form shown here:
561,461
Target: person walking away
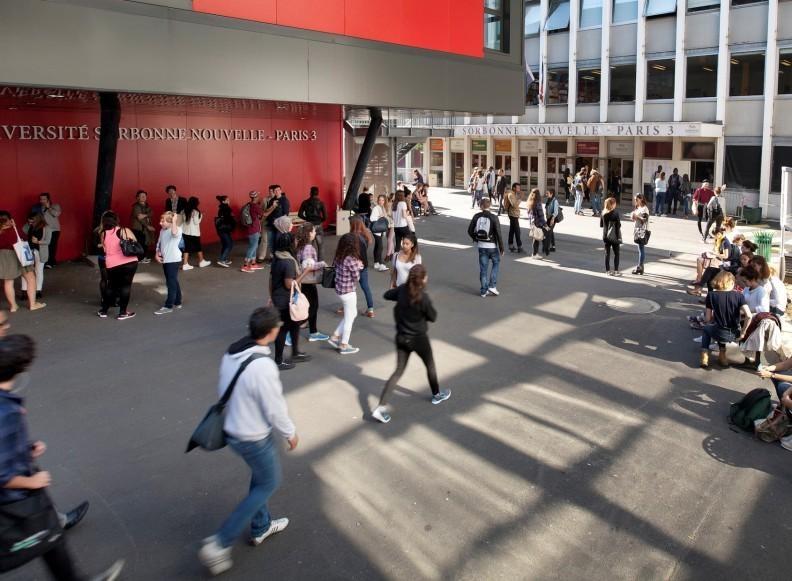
537,224
512,205
674,192
686,194
726,317
552,209
407,257
224,225
714,212
365,238
256,416
10,267
578,199
192,234
640,218
140,223
596,186
250,218
313,210
400,219
500,189
412,313
363,209
170,256
379,212
660,187
347,265
484,230
309,261
472,186
120,268
490,182
51,213
701,198
38,236
610,222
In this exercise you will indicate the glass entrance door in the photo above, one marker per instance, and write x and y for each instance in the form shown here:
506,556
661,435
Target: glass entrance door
529,172
504,162
458,163
623,169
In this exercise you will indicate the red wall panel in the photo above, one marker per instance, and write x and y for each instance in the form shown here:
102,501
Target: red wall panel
465,33
67,169
320,15
256,10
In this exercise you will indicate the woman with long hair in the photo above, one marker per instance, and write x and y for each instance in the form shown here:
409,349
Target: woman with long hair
413,312
11,269
365,238
120,268
640,218
379,212
610,222
407,257
38,235
400,218
347,265
192,234
225,223
308,259
537,223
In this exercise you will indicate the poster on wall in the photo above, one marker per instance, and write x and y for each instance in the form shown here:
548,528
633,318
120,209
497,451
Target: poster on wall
650,166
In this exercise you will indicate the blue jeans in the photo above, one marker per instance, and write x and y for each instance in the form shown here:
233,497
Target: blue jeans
265,477
686,201
719,334
171,270
364,284
660,198
253,242
485,256
596,203
641,254
227,243
781,387
578,202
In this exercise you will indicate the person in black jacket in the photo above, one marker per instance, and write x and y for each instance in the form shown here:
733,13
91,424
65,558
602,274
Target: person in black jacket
174,202
611,235
501,183
313,210
224,224
484,230
412,312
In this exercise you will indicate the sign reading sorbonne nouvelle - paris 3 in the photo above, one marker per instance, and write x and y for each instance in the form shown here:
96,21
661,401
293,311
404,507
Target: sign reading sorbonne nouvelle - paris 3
85,133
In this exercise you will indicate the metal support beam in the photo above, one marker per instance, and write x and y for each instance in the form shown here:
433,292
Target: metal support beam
110,114
362,162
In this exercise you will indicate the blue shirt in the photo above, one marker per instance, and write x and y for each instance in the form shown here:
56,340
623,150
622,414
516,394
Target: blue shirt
15,458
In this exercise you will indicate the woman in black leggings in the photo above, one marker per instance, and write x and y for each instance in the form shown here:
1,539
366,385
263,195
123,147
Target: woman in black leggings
413,312
611,235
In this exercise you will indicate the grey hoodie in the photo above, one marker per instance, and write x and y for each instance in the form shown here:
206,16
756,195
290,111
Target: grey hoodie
257,405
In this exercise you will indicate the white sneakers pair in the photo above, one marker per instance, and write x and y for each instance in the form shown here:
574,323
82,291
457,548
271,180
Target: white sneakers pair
217,558
202,264
380,267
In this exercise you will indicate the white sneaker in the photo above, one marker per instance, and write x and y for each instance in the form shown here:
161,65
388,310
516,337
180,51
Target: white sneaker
276,526
381,415
214,557
187,267
204,263
493,291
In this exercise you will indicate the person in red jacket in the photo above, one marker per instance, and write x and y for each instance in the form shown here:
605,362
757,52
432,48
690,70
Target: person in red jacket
701,198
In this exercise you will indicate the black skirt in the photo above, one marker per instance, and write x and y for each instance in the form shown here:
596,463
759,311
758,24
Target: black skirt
192,243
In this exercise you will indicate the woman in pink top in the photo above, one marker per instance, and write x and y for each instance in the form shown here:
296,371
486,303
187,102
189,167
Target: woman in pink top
120,269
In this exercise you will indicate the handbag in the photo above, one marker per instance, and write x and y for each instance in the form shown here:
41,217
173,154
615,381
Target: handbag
28,528
209,434
537,233
23,251
775,427
379,226
328,277
643,239
612,235
560,216
298,304
130,246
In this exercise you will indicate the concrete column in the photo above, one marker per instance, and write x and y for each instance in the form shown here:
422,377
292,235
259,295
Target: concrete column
490,151
468,156
770,87
574,24
543,8
680,66
637,166
515,156
723,63
602,160
427,158
640,63
542,185
607,14
393,147
720,158
448,164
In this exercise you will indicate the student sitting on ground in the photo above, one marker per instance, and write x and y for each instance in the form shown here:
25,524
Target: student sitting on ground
724,309
778,293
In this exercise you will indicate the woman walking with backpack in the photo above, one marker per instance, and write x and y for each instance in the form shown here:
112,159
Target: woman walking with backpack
537,224
610,222
640,218
224,224
413,312
347,265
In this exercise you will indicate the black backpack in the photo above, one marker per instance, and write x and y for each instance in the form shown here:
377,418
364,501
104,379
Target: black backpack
755,405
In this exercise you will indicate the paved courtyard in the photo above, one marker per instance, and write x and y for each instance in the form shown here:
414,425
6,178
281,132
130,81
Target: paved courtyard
581,441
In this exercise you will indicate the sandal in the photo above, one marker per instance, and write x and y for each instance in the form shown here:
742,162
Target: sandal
694,292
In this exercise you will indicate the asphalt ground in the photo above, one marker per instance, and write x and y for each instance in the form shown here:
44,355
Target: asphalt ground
580,442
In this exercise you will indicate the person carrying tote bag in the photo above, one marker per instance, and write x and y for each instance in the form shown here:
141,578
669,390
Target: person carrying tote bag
11,267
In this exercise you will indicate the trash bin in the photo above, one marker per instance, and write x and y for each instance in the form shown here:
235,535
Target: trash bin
764,242
752,215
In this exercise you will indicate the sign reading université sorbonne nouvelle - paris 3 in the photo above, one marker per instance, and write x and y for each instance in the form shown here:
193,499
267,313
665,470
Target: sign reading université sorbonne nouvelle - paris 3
85,133
670,129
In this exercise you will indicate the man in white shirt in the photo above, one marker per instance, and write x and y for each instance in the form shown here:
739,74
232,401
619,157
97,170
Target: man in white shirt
256,413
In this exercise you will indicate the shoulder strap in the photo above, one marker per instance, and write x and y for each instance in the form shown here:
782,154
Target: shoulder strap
230,389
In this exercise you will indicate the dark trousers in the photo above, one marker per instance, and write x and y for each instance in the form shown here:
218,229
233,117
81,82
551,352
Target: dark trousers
226,244
378,244
545,244
701,210
405,345
716,219
171,270
60,564
319,240
550,235
672,201
310,292
102,278
140,235
608,247
399,233
514,231
289,327
53,248
119,285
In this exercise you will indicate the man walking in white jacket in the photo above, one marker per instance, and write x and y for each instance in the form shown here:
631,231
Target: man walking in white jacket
256,410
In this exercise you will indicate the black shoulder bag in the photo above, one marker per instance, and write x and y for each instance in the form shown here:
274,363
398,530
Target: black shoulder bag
130,246
209,434
28,529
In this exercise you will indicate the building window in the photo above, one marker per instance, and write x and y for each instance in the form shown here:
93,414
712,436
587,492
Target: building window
785,73
532,89
625,11
658,149
782,156
743,166
702,76
701,155
532,14
622,83
496,25
557,16
588,86
557,147
557,86
590,13
660,79
696,5
658,7
746,75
